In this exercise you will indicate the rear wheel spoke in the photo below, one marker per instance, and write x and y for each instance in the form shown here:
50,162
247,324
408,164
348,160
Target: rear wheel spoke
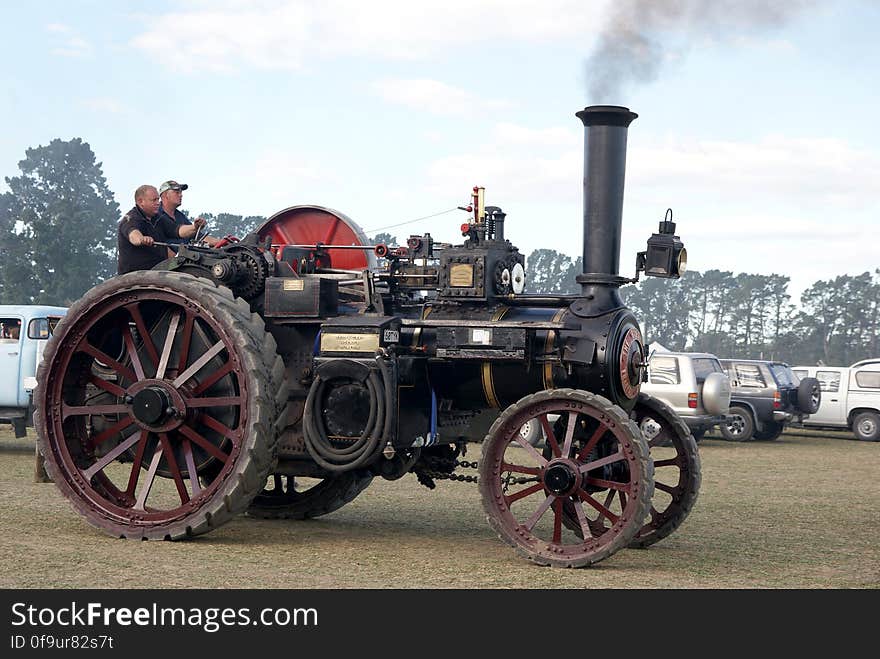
169,343
135,311
141,502
172,465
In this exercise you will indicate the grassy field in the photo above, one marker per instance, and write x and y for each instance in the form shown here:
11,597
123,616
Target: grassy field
800,512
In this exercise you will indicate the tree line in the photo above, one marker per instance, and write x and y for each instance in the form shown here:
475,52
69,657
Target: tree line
749,316
58,227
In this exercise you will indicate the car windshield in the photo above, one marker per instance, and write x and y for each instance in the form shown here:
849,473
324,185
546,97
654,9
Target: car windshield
784,375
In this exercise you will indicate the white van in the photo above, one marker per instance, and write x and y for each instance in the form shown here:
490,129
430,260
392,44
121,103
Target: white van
850,397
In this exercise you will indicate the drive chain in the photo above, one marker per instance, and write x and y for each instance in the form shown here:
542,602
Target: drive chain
427,476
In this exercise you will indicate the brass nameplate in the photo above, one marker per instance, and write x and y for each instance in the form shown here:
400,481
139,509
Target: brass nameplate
334,342
461,275
293,285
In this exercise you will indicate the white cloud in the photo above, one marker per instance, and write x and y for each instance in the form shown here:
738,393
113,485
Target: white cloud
67,42
812,174
436,97
802,172
288,34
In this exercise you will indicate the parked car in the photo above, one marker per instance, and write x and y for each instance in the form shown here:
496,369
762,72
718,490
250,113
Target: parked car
691,383
850,398
766,395
24,330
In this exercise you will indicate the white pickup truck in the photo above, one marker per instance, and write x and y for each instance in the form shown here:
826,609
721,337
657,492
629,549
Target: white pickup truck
850,397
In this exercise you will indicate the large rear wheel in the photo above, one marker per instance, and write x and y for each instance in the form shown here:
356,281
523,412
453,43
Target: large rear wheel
595,468
173,434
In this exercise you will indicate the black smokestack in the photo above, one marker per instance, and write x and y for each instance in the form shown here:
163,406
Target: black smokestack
639,35
606,128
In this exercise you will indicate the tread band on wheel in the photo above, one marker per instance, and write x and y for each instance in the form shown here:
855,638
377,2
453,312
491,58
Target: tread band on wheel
182,435
595,464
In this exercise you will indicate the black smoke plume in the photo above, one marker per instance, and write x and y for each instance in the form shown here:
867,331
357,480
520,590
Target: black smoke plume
640,34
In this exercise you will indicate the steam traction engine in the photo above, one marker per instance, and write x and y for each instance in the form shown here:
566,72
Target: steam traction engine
281,373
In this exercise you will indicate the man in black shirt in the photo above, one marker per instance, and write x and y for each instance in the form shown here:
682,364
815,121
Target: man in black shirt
141,227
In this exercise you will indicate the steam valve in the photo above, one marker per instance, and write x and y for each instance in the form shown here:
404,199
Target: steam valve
666,255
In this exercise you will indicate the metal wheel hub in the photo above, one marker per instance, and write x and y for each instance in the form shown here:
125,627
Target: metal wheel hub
867,426
156,405
562,478
736,425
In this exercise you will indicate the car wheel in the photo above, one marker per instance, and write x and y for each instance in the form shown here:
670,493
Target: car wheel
739,426
866,427
771,431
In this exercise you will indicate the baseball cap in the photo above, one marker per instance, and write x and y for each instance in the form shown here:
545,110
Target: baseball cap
172,185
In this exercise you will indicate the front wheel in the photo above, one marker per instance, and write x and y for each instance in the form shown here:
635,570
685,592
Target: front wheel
595,469
677,473
866,427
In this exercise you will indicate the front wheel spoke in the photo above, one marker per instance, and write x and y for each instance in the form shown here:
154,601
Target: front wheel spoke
520,469
588,499
669,489
516,496
134,310
582,519
611,485
591,444
671,462
186,448
539,513
198,364
557,522
214,451
109,387
590,466
107,360
148,483
111,456
111,431
531,450
80,410
548,433
169,343
172,465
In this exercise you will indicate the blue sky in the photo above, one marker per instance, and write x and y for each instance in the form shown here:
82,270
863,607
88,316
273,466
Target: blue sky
760,134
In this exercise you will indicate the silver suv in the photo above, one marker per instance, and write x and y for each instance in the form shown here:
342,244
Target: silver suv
691,383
